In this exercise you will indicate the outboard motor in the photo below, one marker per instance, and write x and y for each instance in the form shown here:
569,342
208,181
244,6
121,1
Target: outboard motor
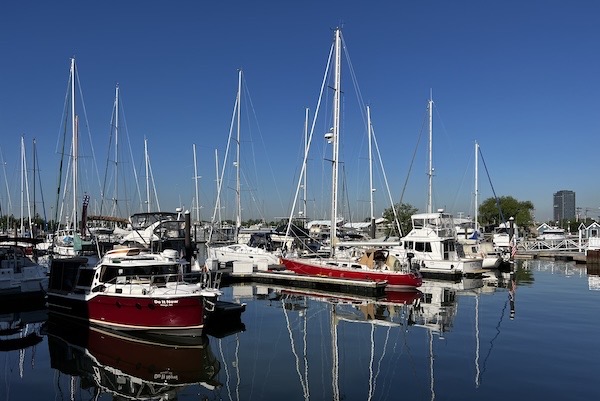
410,257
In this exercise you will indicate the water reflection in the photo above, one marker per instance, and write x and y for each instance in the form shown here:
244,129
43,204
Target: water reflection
343,346
99,362
20,329
450,340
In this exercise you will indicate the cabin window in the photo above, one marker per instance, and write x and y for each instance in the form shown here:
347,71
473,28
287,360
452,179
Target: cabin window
423,246
85,278
448,246
418,223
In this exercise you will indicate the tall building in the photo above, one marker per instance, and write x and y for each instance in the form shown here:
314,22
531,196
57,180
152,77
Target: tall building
564,205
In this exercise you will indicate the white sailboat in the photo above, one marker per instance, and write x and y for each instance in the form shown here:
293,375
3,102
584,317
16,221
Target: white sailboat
472,243
237,252
73,238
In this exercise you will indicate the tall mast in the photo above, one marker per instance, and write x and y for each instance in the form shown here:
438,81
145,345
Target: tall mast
218,202
304,190
147,175
74,143
476,188
75,169
430,172
33,162
22,184
114,213
196,177
336,132
238,219
371,189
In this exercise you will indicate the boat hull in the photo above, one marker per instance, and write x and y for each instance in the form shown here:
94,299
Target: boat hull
168,315
314,268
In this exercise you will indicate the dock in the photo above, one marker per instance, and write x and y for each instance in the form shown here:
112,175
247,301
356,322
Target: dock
577,257
283,277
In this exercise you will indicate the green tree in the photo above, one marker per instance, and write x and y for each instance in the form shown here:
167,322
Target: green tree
521,211
404,211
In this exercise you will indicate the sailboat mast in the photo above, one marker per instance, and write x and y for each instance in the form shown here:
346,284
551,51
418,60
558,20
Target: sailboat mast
238,220
74,142
114,213
371,189
147,175
218,201
33,162
22,184
304,190
430,172
336,132
75,169
476,188
196,177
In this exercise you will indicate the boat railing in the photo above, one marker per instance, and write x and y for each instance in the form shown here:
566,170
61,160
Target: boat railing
145,284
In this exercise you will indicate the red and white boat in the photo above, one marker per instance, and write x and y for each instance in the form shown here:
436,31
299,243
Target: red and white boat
132,289
126,367
376,265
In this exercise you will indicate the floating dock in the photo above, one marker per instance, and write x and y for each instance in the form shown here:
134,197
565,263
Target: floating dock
284,277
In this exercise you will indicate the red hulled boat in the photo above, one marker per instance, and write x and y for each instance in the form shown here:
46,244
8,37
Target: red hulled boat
376,265
132,289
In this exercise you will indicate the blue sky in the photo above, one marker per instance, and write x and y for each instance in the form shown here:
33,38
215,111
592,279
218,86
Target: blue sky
518,77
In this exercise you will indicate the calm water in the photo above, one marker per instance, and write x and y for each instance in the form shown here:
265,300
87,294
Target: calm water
460,341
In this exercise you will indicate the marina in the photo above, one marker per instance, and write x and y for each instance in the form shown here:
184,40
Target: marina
215,255
467,339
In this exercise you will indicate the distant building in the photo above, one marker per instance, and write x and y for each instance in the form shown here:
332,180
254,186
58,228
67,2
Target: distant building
564,205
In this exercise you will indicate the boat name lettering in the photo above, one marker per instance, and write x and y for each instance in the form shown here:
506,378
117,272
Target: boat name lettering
166,302
166,376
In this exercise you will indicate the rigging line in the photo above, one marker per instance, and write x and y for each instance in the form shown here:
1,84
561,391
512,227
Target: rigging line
262,139
345,192
387,186
128,204
6,180
293,346
413,157
226,369
458,191
492,341
87,124
252,196
62,153
237,365
371,389
24,166
220,182
35,155
491,185
312,130
153,184
110,140
304,349
137,181
385,343
354,81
